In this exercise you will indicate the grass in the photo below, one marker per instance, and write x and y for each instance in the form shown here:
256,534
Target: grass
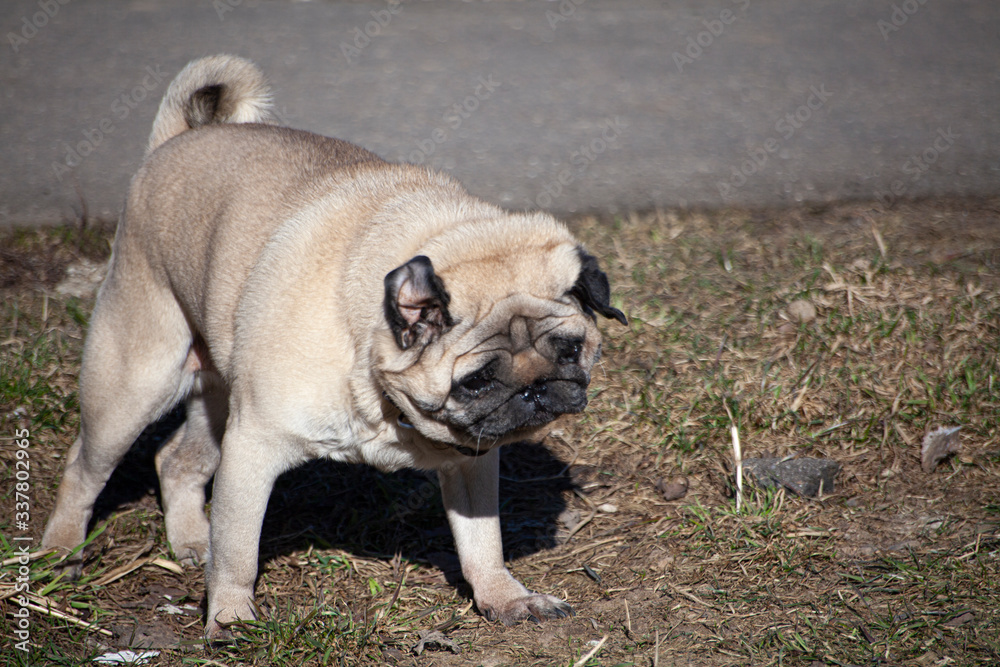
894,567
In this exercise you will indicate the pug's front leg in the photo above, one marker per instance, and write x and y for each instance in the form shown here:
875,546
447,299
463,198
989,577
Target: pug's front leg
242,487
469,489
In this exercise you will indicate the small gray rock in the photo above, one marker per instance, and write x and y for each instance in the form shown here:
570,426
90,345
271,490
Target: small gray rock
673,490
938,445
154,635
802,311
803,476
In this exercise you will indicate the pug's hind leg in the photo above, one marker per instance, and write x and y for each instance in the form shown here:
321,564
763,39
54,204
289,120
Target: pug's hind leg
133,372
470,492
184,465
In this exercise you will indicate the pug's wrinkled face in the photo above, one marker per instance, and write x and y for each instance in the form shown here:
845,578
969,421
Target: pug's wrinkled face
484,361
524,375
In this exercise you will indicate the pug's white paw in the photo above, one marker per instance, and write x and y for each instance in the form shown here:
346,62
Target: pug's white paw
534,607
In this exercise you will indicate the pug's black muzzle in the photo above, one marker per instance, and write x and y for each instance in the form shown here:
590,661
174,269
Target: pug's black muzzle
534,405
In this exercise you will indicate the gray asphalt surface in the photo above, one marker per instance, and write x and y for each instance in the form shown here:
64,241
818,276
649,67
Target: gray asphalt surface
577,105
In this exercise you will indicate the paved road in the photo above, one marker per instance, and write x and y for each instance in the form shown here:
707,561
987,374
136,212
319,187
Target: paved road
573,105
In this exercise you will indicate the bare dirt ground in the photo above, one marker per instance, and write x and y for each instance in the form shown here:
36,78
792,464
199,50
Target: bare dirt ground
894,566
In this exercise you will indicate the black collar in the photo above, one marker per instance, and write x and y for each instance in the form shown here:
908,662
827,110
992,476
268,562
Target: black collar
404,422
469,451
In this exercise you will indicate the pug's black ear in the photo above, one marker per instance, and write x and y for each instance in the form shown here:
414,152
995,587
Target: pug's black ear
416,303
592,289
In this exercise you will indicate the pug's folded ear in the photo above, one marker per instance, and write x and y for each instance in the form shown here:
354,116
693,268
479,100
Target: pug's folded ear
592,289
416,304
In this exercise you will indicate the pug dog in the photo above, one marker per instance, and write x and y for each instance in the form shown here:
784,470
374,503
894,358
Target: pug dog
307,299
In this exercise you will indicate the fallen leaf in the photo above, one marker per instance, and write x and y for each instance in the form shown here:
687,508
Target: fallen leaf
126,658
82,279
428,637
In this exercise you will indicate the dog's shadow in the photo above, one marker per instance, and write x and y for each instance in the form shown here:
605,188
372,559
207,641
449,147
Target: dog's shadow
357,509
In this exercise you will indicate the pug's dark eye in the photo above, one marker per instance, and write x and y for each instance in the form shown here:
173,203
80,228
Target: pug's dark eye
567,350
471,386
476,385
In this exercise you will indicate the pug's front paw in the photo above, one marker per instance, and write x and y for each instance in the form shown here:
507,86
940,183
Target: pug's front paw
534,607
191,555
227,606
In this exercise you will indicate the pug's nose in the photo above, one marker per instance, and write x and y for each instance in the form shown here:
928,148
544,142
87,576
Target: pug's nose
532,393
536,393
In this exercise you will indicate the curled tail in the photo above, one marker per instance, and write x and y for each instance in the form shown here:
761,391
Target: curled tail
217,89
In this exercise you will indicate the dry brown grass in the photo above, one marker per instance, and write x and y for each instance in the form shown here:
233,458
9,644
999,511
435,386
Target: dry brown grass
896,566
